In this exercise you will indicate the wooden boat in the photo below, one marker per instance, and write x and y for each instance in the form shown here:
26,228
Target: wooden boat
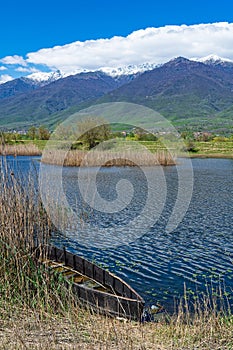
95,287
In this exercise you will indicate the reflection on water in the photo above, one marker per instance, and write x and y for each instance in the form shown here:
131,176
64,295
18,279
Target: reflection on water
198,252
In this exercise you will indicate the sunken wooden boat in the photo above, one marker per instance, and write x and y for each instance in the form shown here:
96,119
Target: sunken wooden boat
95,287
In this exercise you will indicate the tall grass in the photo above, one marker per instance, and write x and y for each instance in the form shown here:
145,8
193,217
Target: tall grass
24,149
37,311
118,157
108,158
24,225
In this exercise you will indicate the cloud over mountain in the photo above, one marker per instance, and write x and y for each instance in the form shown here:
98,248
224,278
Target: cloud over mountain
14,60
152,45
5,77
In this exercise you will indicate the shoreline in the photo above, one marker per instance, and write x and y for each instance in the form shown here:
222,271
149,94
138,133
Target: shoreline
209,156
204,150
196,155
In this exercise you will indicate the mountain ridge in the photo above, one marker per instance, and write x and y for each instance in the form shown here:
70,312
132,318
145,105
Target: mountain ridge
43,77
38,105
185,91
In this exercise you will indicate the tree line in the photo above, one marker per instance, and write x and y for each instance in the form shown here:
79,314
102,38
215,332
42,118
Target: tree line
87,133
33,133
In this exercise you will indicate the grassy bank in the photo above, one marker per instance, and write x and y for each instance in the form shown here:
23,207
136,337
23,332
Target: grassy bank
207,149
81,330
37,311
115,157
213,149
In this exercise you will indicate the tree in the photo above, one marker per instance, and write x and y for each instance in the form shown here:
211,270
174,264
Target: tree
144,135
190,147
32,133
43,133
92,131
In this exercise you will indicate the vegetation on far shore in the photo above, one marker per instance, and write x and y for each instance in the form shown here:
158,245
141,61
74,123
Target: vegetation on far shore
195,144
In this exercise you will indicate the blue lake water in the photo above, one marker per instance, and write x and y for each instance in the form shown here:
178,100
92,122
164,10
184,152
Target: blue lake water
198,253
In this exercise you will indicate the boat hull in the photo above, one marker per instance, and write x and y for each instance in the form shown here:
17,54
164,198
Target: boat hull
116,298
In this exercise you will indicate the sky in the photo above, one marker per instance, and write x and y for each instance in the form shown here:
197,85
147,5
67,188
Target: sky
71,35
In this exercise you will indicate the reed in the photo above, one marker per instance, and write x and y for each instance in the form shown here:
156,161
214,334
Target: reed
29,149
108,158
80,329
24,225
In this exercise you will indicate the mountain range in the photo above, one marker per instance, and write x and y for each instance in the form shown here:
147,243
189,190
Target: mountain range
193,94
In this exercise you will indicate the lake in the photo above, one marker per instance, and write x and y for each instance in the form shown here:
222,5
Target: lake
198,254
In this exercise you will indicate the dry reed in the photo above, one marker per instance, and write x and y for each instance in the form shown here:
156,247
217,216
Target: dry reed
107,158
29,149
80,329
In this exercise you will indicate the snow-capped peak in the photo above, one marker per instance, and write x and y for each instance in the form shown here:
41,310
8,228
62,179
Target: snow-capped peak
44,77
130,69
214,59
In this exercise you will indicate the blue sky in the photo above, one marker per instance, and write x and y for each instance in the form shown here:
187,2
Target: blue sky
31,25
28,26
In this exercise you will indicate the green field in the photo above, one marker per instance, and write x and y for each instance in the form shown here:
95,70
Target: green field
208,149
211,149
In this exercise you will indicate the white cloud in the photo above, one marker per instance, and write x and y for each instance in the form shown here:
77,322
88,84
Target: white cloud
27,70
150,45
3,68
14,60
4,78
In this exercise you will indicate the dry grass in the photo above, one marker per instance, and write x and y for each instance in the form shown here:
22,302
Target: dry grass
28,149
107,158
37,311
79,329
118,157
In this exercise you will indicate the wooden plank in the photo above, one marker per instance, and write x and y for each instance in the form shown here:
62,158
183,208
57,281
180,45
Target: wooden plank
127,292
68,273
89,269
99,274
100,300
109,304
88,295
69,259
118,287
79,264
109,280
52,253
60,256
78,279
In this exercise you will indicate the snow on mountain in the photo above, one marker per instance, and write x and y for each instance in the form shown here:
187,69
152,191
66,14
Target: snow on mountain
44,78
128,70
213,59
118,71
